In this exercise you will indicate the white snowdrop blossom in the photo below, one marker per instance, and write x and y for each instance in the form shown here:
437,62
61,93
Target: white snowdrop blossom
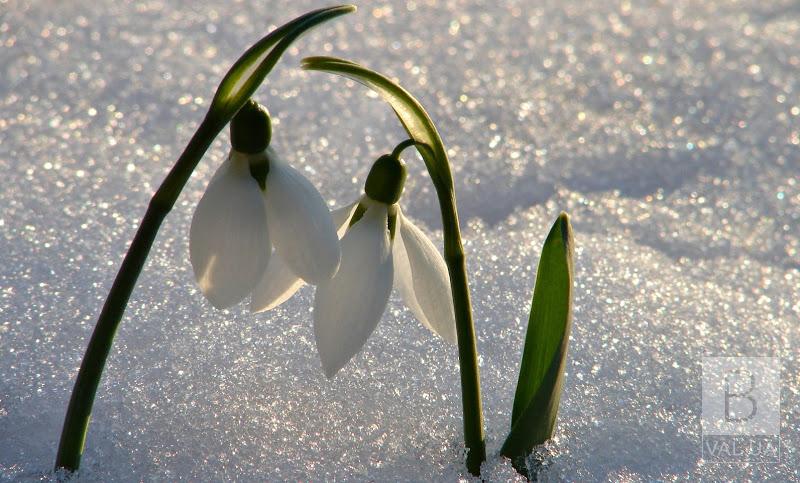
240,219
420,275
381,249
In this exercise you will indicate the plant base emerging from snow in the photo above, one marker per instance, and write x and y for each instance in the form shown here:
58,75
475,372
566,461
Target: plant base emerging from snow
541,374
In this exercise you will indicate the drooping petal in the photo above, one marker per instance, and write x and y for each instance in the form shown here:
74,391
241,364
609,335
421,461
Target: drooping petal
229,243
348,307
341,217
300,224
235,157
276,286
279,283
422,279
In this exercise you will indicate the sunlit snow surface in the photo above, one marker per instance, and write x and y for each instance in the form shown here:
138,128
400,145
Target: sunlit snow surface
668,130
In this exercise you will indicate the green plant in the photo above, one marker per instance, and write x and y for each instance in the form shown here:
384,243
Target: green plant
251,169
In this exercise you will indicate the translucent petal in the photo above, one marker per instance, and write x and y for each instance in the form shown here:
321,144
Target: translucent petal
422,279
341,217
300,224
229,243
348,307
235,157
276,286
279,283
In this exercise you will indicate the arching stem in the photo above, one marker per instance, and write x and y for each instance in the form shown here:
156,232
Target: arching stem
236,87
402,146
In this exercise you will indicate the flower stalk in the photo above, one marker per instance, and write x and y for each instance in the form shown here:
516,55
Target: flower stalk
236,88
465,329
426,138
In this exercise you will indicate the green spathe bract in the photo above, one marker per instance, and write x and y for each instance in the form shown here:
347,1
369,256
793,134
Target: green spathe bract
541,374
409,111
422,130
249,71
235,89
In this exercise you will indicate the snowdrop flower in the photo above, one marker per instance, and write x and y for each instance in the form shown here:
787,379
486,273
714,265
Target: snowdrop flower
381,248
256,201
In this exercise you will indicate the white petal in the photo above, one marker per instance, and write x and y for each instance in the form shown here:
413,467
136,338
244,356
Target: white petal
235,157
276,286
341,217
228,241
300,224
422,279
348,307
279,282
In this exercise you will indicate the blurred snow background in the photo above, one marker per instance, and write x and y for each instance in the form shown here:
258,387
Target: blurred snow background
670,132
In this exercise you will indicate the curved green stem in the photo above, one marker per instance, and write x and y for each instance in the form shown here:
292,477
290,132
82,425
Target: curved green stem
76,422
237,86
465,330
401,147
429,144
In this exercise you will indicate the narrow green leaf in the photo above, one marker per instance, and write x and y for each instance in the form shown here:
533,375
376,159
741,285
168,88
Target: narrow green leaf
412,115
249,71
541,373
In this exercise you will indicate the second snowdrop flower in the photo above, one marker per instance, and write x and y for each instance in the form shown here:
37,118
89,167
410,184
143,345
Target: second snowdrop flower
381,248
256,201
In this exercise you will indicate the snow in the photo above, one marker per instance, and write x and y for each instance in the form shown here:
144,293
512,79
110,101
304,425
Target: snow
668,130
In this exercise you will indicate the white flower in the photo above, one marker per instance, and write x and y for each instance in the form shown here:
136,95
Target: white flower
239,220
381,249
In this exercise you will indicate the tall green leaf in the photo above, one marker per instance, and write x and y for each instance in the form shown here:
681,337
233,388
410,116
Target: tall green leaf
541,373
